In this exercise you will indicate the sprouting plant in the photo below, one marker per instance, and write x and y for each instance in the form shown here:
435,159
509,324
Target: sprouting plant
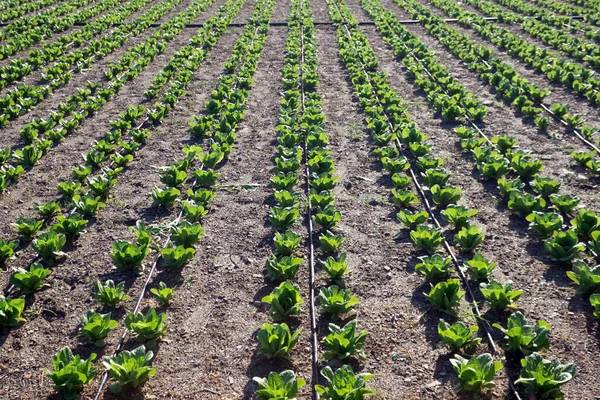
285,300
458,216
476,374
96,327
27,228
444,196
165,197
403,198
163,293
173,177
276,341
129,369
433,177
327,217
336,301
147,327
48,210
49,245
11,310
500,296
177,257
282,218
71,226
445,296
400,182
286,243
7,250
187,234
545,224
412,219
128,256
30,280
585,223
344,342
525,203
426,238
70,373
344,384
193,212
283,385
87,205
594,301
330,242
458,335
587,278
545,186
544,377
206,178
109,294
506,186
282,268
435,267
336,269
524,338
563,246
480,267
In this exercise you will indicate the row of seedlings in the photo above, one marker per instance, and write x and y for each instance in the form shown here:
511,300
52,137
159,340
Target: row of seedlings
224,111
52,50
589,15
446,295
523,96
277,340
13,9
494,159
92,181
42,134
34,20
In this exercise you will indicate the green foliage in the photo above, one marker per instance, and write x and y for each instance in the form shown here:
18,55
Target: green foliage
192,211
426,238
276,341
282,218
563,246
49,245
344,384
327,217
278,386
500,296
88,205
585,223
95,327
587,278
48,210
330,242
336,269
282,268
344,342
458,336
435,267
480,267
525,203
469,238
129,369
173,177
201,196
545,186
507,187
403,198
476,374
286,243
11,310
70,373
71,226
163,293
187,234
128,256
458,216
147,327
412,219
336,301
27,228
594,301
165,197
7,250
109,294
32,280
545,224
445,296
285,300
177,257
524,338
444,196
544,378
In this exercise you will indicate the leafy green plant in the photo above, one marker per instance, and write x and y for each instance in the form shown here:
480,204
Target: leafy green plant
71,226
206,178
469,238
545,186
444,196
187,234
458,335
563,246
507,187
525,203
585,223
336,269
500,296
32,280
177,257
545,224
433,177
327,217
412,219
594,301
109,294
128,256
458,216
445,296
129,368
147,327
403,198
285,300
11,310
173,177
276,341
163,293
48,210
70,373
344,384
594,243
330,242
7,250
165,197
426,238
282,268
282,218
27,228
480,267
283,386
435,267
587,278
336,301
344,342
400,182
286,243
96,327
88,205
49,245
524,338
287,199
544,377
192,211
476,374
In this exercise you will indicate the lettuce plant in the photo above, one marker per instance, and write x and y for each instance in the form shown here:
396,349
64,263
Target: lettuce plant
444,196
400,182
585,223
193,212
330,242
282,181
27,228
500,296
412,219
88,205
587,278
32,280
11,310
287,199
544,378
201,196
70,373
545,224
344,342
96,327
177,257
101,185
435,267
545,186
282,268
524,338
282,218
563,246
336,269
48,210
128,256
336,301
285,300
458,216
594,243
524,203
165,197
286,243
173,177
147,327
458,335
109,294
283,386
187,234
71,226
276,341
327,217
480,267
403,198
468,239
7,250
49,245
426,238
445,296
163,293
433,177
129,369
476,374
594,301
507,187
344,384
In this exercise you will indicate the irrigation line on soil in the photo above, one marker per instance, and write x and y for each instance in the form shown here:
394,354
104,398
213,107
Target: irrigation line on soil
427,205
311,274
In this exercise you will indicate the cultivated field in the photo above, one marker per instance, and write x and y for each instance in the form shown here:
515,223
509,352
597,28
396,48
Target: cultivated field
281,199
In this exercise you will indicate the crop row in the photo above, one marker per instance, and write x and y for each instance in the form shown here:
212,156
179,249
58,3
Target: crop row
9,13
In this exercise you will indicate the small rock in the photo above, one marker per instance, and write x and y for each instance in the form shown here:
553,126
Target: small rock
386,268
